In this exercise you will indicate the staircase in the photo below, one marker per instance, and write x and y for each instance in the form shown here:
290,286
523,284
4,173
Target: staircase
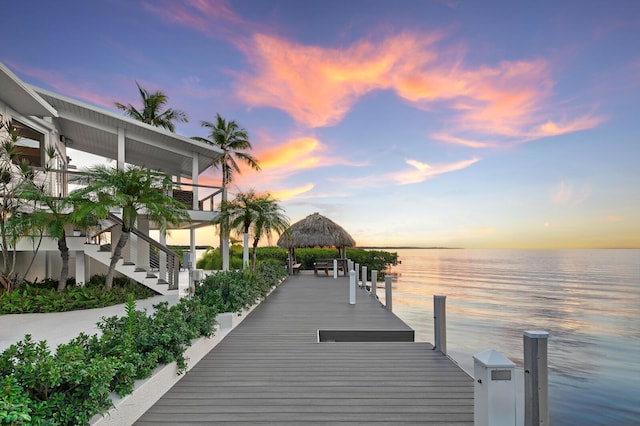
161,270
140,275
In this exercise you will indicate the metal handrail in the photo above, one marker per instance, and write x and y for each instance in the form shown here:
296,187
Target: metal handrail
173,260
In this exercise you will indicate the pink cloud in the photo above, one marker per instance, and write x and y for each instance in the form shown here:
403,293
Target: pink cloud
614,218
318,86
280,161
416,173
213,18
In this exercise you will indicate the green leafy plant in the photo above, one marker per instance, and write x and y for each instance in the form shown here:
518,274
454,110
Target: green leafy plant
66,388
73,384
43,297
14,403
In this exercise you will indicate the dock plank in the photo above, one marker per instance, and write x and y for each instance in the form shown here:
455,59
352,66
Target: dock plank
272,370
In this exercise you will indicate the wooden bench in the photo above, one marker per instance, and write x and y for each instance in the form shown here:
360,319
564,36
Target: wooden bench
296,268
323,265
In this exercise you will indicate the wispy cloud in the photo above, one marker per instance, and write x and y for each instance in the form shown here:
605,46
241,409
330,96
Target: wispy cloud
614,218
214,18
287,194
566,193
63,84
416,172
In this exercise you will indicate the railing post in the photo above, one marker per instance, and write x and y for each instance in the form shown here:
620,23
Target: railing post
388,296
536,379
356,268
364,277
440,323
352,287
374,282
335,269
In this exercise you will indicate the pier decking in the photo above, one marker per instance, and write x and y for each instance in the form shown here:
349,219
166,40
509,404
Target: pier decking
272,370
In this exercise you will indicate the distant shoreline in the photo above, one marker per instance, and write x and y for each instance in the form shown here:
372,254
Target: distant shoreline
408,248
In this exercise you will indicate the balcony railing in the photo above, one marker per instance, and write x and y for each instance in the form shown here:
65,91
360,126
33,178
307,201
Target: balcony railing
62,182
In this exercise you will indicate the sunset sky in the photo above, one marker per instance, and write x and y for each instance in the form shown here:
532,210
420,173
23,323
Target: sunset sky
474,124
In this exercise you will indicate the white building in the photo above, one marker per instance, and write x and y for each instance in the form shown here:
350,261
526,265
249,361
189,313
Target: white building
46,120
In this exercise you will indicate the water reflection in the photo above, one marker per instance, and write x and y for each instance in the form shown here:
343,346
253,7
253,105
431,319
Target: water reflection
587,299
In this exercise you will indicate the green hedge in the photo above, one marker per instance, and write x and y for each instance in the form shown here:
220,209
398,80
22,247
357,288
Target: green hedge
379,260
73,384
42,297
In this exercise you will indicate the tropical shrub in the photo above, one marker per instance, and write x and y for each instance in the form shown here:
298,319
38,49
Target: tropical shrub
73,384
373,259
42,296
232,291
65,389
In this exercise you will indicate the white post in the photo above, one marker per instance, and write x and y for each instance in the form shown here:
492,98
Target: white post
494,402
374,282
80,268
335,269
536,378
440,323
352,287
387,292
121,149
356,268
162,259
364,277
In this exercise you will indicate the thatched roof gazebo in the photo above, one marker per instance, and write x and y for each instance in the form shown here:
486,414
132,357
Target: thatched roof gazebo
316,230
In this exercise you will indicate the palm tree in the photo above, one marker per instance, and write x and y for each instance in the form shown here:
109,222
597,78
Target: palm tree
52,216
232,141
134,190
151,113
240,213
270,218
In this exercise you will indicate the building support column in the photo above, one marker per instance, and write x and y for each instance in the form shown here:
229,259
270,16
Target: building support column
121,148
80,268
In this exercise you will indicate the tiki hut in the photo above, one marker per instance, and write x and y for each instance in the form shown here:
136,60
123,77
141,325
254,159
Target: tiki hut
316,231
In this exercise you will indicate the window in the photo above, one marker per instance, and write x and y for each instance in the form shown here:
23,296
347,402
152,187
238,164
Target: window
30,143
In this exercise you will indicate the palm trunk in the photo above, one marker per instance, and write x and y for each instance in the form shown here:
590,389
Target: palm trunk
35,253
253,253
224,232
64,255
117,252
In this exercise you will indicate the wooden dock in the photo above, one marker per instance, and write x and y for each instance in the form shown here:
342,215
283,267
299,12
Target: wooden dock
273,370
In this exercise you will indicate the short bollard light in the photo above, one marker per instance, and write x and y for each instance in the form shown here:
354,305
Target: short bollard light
494,390
352,287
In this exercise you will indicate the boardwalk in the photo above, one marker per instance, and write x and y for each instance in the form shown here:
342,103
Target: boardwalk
272,370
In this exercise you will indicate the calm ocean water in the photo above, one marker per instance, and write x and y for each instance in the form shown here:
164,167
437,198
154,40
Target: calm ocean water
588,300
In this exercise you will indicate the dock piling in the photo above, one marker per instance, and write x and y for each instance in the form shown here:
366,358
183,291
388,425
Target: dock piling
440,323
388,292
364,277
352,287
374,282
536,378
